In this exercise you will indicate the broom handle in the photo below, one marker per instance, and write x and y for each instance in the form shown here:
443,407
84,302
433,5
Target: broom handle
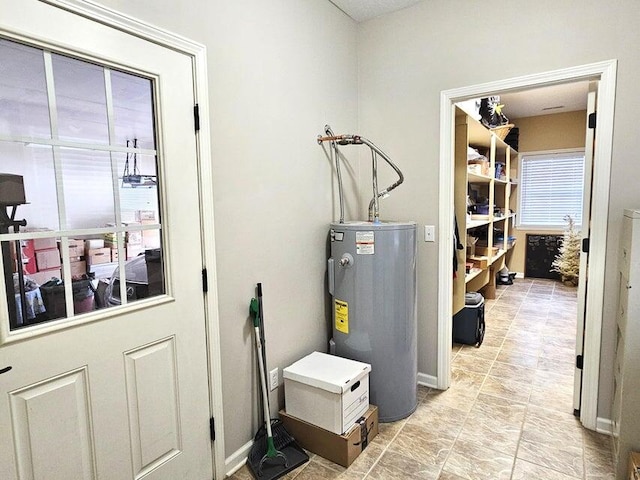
263,383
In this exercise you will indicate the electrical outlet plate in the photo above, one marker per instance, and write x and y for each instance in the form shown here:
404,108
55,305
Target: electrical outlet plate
429,233
273,379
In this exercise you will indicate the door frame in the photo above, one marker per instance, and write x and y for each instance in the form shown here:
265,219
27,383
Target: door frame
605,72
585,231
198,54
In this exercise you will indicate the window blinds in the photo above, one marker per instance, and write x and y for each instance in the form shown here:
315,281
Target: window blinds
551,188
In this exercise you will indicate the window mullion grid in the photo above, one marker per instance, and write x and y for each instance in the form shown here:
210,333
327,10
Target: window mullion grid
116,187
57,168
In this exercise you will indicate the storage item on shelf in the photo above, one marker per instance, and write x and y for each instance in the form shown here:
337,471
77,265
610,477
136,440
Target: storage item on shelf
479,167
512,138
502,131
471,245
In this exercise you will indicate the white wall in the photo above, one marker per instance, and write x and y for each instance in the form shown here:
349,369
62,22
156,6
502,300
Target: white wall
278,72
407,58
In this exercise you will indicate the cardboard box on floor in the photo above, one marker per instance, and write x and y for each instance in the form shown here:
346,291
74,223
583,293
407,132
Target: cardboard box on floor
340,449
634,466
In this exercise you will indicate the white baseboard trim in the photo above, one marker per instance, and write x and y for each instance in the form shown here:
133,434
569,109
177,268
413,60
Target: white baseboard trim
604,425
519,275
237,459
427,380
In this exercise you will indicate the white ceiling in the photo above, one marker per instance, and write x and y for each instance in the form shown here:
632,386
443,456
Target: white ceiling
361,10
567,97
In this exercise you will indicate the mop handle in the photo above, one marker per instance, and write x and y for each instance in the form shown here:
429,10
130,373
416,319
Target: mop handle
263,382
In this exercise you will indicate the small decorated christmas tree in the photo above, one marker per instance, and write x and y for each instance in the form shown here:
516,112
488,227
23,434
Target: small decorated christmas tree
567,262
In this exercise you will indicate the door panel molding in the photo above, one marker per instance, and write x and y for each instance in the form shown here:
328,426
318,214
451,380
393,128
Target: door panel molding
605,72
39,427
152,395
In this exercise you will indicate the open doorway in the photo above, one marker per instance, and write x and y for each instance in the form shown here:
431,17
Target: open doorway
605,73
539,175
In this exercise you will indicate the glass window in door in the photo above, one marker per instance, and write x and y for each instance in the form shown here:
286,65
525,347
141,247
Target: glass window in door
80,213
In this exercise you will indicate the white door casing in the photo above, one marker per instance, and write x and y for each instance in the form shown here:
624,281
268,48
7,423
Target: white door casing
124,394
605,72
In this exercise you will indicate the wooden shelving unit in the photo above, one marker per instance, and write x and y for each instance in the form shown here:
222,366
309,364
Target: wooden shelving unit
471,133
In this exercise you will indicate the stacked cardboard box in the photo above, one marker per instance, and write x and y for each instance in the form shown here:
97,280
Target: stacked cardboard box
47,258
96,252
150,238
42,260
132,242
76,257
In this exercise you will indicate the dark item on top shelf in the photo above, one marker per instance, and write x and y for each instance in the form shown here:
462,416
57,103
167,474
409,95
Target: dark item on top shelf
491,115
512,138
468,323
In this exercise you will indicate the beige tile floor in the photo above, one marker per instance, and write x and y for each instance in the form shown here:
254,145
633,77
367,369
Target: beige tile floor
508,414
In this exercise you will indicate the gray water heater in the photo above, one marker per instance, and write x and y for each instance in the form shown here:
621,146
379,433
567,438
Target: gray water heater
372,280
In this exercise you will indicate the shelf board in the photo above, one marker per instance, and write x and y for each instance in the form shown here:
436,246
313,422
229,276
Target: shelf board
471,224
500,182
473,273
475,178
498,256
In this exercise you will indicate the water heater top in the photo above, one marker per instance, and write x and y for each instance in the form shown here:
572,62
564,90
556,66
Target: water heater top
362,225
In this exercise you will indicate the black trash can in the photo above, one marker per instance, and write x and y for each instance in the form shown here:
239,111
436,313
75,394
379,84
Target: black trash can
468,323
54,302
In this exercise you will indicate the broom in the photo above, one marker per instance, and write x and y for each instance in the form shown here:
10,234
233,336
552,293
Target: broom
271,453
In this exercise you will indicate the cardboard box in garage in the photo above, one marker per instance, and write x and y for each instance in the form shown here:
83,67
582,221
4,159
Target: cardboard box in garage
47,259
78,268
341,449
76,249
95,256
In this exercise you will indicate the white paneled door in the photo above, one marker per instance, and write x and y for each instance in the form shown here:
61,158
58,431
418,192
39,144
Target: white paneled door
103,336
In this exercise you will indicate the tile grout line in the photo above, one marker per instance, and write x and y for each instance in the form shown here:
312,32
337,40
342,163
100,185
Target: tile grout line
384,450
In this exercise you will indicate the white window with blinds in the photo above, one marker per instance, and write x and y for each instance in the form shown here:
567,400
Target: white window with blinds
551,188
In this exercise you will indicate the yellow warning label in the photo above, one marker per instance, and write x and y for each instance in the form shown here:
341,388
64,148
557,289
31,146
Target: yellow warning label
342,316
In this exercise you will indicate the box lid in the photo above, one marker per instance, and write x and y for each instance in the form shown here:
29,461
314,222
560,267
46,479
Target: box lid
328,372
